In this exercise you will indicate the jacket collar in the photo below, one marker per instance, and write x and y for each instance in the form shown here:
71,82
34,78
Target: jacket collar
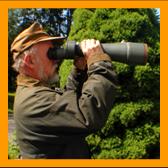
23,80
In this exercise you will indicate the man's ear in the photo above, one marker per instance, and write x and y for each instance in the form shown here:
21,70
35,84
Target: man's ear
28,65
28,60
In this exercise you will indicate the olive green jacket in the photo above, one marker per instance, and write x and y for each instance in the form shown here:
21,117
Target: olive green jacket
54,123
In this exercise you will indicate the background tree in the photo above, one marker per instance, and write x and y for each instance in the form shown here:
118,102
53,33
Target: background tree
132,130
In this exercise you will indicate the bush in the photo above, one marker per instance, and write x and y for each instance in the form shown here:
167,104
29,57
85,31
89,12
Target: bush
65,69
130,133
13,149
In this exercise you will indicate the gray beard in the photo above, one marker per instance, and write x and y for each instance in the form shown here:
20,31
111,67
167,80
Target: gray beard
54,79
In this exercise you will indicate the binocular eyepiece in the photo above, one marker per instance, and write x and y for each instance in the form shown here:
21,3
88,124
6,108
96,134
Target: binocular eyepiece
126,52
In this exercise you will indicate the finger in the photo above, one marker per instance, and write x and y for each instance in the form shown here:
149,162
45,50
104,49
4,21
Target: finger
83,43
93,41
97,42
83,46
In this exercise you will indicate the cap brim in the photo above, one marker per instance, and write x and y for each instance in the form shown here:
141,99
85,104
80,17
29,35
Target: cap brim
51,38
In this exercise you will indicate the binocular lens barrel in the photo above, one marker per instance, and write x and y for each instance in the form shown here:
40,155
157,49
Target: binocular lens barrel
127,52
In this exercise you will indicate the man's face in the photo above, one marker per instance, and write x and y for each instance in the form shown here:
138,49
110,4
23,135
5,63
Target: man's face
46,69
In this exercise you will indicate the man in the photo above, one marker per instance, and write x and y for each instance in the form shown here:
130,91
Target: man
54,123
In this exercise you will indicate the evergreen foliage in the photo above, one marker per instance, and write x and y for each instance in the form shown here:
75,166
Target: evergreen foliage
132,130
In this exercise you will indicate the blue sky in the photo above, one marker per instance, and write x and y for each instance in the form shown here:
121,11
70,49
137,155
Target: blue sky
158,10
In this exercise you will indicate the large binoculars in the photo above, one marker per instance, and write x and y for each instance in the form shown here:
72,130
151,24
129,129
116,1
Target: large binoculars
126,52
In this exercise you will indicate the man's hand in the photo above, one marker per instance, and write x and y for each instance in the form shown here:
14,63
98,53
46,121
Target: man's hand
93,52
80,63
91,47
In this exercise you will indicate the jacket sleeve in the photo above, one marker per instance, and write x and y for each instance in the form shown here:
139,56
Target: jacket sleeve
98,94
76,79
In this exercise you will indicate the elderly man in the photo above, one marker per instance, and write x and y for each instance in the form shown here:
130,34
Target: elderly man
53,123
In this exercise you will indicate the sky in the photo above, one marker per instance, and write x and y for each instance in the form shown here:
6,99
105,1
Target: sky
158,10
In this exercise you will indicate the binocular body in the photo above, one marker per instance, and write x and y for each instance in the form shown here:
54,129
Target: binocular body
126,52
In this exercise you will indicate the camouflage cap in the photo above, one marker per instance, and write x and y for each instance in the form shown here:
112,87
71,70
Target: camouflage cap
30,36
